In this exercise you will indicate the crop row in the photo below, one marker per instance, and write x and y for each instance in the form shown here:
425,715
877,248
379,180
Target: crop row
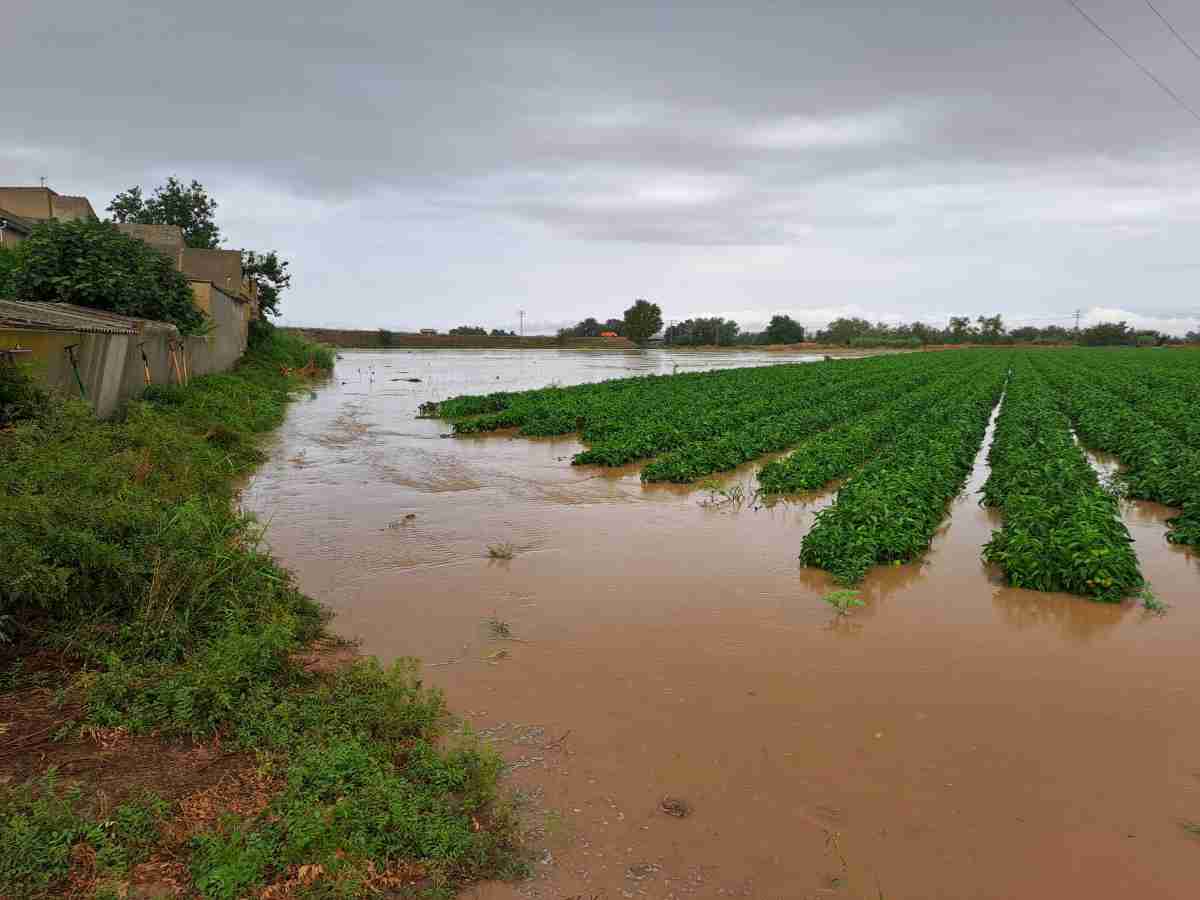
1062,531
730,415
784,427
602,409
890,510
833,453
1157,464
1163,387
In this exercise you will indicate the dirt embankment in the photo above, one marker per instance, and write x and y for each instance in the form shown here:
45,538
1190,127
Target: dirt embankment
349,338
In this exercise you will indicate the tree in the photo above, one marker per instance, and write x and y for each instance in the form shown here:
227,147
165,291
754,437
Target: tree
1107,334
702,332
270,276
784,330
642,320
589,327
960,328
990,329
500,332
93,264
469,330
843,331
172,203
616,326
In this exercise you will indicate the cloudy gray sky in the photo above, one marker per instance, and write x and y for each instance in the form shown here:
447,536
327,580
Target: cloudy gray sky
444,163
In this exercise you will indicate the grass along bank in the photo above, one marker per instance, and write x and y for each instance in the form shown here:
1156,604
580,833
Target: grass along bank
146,626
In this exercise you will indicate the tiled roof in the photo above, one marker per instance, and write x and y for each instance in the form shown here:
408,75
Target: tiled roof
31,316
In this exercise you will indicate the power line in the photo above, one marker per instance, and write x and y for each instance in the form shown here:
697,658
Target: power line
1174,31
1174,96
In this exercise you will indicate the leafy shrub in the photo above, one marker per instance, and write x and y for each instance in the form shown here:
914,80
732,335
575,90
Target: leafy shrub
93,264
20,397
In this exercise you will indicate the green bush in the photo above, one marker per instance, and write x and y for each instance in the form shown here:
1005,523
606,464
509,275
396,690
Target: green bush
93,264
20,397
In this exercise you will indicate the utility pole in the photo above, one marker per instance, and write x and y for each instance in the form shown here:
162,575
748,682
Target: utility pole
1078,313
522,312
43,180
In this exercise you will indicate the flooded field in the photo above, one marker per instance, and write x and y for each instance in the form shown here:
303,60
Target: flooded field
953,738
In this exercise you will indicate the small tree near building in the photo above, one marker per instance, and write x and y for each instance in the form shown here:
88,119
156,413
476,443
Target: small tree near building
270,276
173,203
92,264
642,320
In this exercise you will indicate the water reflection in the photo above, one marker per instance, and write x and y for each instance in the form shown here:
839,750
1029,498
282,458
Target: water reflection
1078,619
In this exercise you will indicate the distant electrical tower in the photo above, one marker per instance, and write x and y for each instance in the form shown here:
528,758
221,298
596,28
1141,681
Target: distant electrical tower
522,313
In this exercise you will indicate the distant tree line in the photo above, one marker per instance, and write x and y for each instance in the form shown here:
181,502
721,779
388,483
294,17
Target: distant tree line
479,331
644,319
853,332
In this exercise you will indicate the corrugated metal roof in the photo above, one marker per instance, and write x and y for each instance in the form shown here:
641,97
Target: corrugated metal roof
15,222
32,316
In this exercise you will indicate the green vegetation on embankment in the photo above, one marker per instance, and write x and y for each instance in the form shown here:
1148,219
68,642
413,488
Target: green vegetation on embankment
137,604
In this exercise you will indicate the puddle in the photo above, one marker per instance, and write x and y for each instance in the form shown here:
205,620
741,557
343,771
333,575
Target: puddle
952,738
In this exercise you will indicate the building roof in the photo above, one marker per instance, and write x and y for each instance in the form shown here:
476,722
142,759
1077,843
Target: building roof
41,316
15,222
40,203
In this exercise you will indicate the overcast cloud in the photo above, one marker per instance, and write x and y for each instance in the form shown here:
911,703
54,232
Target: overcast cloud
450,163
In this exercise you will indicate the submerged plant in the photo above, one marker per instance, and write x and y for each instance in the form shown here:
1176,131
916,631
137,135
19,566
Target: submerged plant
499,628
734,495
1151,603
501,551
843,601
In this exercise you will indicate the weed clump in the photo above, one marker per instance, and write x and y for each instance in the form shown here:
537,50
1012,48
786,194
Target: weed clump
44,826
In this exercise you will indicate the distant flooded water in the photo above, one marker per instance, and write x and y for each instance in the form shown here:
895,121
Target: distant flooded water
954,738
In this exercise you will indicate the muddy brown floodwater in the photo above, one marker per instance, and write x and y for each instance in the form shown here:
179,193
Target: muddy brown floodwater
954,738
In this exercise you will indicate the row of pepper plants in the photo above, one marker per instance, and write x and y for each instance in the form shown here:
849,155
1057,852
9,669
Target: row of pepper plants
1156,463
831,454
1062,530
785,427
890,509
602,409
1164,386
755,410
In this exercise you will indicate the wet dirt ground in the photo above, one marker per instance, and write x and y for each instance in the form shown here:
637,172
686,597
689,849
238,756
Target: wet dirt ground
953,738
